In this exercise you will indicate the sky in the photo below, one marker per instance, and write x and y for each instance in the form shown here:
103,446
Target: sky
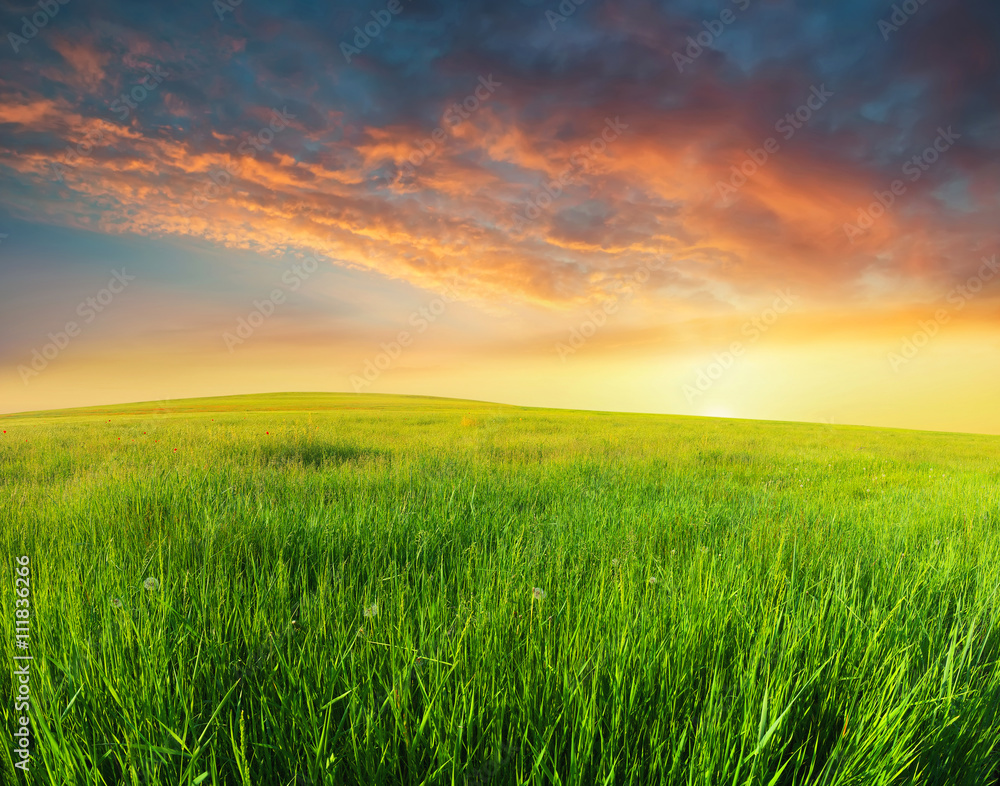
743,208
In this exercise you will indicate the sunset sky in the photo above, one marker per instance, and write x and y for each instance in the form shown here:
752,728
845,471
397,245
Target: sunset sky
776,210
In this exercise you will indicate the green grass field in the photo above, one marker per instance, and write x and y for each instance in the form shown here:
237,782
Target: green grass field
345,593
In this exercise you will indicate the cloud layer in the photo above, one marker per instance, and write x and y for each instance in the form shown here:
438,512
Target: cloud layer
463,144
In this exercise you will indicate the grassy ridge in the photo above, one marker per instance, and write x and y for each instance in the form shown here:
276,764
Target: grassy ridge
345,595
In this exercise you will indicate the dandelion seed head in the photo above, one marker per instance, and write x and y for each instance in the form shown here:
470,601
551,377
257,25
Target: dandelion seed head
371,611
151,584
116,602
538,593
651,580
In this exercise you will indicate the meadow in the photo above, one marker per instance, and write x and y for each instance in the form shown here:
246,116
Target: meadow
311,589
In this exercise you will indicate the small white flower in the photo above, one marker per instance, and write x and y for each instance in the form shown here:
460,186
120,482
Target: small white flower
151,584
538,593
